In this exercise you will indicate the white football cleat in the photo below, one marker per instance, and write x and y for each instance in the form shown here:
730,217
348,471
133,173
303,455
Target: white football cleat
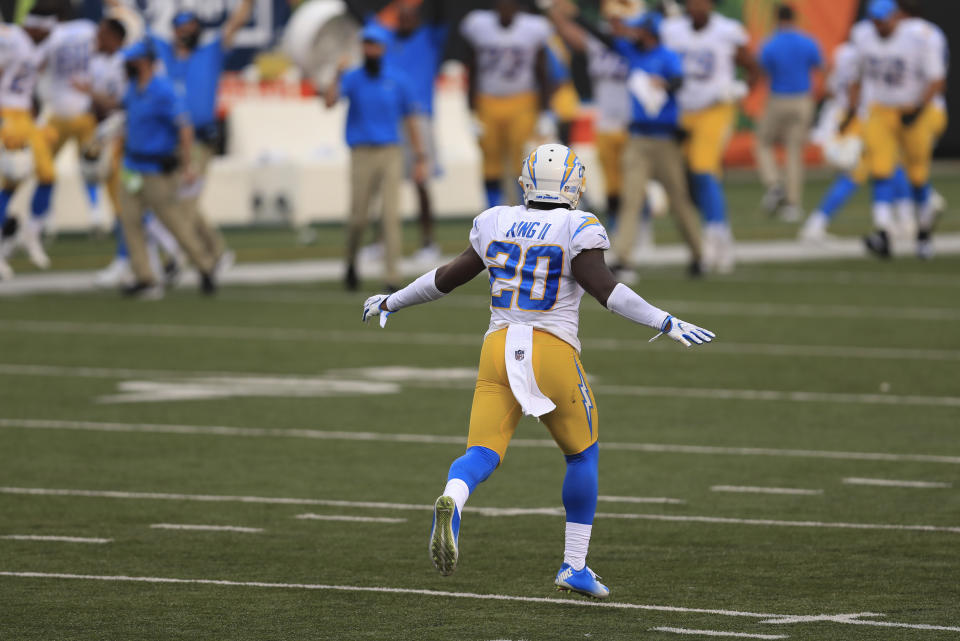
6,272
428,255
585,582
114,275
32,243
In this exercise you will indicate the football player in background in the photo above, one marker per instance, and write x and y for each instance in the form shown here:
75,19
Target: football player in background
712,46
529,363
902,74
21,61
509,86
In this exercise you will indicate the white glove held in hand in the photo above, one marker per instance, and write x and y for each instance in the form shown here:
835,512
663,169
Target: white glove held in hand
685,333
371,308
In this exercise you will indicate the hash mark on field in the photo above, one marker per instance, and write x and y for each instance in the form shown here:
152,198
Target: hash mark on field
850,619
55,539
206,528
893,483
342,435
749,489
640,499
345,517
485,511
718,633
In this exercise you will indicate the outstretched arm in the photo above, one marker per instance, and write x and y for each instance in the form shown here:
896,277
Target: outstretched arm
429,287
235,22
595,277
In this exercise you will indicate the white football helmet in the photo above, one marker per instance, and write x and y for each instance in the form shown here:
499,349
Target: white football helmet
553,174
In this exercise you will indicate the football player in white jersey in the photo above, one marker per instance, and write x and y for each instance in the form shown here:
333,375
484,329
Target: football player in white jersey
541,257
509,86
712,46
902,75
22,57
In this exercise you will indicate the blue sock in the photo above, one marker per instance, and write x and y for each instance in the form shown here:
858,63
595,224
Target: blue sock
901,185
5,196
493,191
921,194
93,193
841,191
581,485
473,468
121,241
41,201
708,192
884,190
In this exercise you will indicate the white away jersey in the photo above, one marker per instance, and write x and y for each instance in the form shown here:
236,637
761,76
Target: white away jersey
608,72
896,70
709,68
506,57
528,253
70,48
21,61
108,76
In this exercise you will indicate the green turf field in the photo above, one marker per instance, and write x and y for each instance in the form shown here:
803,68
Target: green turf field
272,403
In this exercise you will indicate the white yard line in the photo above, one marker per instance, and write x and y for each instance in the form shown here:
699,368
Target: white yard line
718,633
344,517
55,539
640,499
894,483
206,528
485,511
750,489
851,619
437,439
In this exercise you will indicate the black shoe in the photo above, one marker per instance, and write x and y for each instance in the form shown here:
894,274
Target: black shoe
208,287
171,272
695,269
878,244
351,281
10,227
924,245
143,291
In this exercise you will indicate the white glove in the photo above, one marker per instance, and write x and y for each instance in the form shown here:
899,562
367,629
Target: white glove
547,126
371,308
685,333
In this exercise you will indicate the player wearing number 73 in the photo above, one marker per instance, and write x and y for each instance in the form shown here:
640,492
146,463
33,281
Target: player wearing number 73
541,257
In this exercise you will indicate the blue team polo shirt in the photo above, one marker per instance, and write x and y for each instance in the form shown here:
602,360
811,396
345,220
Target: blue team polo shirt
378,104
154,118
418,57
789,57
661,62
197,76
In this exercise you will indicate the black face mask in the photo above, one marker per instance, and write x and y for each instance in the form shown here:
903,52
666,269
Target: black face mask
373,66
133,71
191,41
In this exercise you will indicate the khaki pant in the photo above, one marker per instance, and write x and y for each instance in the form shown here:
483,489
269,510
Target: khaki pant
159,194
376,170
660,158
787,120
209,236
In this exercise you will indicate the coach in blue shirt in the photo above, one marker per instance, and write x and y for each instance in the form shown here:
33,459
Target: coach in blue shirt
195,66
157,155
789,58
653,150
381,101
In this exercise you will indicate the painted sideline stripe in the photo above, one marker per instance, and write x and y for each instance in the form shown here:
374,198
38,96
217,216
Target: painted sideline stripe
770,618
893,483
485,511
206,528
343,517
640,499
56,539
718,633
750,489
438,439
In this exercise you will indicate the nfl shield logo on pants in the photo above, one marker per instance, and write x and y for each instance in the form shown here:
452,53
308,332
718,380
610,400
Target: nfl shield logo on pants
518,354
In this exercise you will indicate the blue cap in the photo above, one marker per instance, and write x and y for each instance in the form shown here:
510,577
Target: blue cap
374,32
138,50
650,21
881,9
183,17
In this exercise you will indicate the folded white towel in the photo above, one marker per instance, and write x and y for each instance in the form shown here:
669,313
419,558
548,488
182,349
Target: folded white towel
523,383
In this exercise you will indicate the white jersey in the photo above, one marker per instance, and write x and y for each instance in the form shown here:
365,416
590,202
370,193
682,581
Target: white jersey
709,55
608,72
897,70
20,60
70,48
506,57
108,76
933,34
528,254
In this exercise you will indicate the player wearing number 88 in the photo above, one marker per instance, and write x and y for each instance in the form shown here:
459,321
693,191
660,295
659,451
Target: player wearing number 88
541,257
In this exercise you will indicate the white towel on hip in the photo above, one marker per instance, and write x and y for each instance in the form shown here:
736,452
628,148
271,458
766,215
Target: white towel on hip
518,354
